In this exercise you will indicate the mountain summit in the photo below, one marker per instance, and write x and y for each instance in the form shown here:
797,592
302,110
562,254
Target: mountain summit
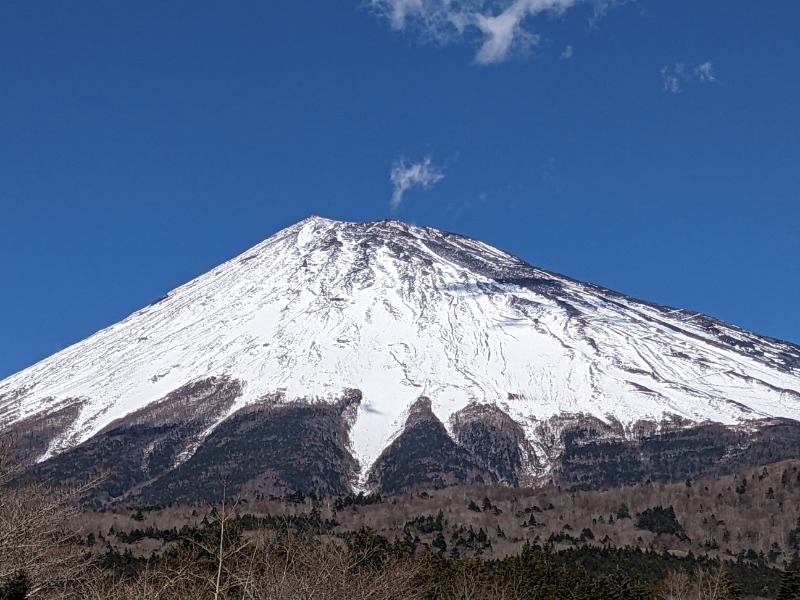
389,356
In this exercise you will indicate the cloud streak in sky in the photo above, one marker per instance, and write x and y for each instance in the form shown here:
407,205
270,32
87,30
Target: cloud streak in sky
405,176
705,73
499,24
675,76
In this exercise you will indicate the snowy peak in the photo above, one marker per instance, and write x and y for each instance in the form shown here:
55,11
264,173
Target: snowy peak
400,312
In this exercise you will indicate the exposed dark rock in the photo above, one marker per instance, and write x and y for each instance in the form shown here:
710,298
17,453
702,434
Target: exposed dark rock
270,446
158,455
145,444
33,436
592,458
496,442
425,457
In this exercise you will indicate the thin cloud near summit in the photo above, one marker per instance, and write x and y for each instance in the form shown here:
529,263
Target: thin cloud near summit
407,175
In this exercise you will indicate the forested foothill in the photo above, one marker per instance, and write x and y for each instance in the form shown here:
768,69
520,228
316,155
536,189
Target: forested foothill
735,536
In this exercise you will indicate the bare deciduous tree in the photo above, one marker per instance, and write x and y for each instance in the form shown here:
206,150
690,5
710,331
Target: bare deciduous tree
33,536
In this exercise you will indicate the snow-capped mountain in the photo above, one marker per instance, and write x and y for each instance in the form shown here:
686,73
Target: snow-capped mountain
371,317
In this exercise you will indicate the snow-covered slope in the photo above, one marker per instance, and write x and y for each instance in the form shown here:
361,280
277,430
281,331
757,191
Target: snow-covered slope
399,312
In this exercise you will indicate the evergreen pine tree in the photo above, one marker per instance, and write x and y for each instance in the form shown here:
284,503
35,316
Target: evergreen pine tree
15,587
790,585
729,589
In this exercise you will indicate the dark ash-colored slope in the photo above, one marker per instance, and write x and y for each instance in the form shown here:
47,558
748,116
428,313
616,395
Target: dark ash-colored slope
592,459
267,447
143,445
425,457
496,442
33,436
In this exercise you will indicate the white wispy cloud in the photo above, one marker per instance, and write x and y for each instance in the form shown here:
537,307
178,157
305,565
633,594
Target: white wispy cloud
407,175
673,77
501,25
705,73
568,52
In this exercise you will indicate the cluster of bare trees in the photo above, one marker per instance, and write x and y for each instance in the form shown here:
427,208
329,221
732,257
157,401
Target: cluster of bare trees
715,584
258,569
41,558
36,546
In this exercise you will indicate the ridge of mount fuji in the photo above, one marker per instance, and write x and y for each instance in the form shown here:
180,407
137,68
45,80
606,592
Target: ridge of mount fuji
381,355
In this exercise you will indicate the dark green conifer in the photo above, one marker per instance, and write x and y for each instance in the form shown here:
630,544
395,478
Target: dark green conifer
15,587
790,585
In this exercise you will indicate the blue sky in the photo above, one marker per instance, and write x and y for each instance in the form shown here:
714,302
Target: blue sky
651,147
